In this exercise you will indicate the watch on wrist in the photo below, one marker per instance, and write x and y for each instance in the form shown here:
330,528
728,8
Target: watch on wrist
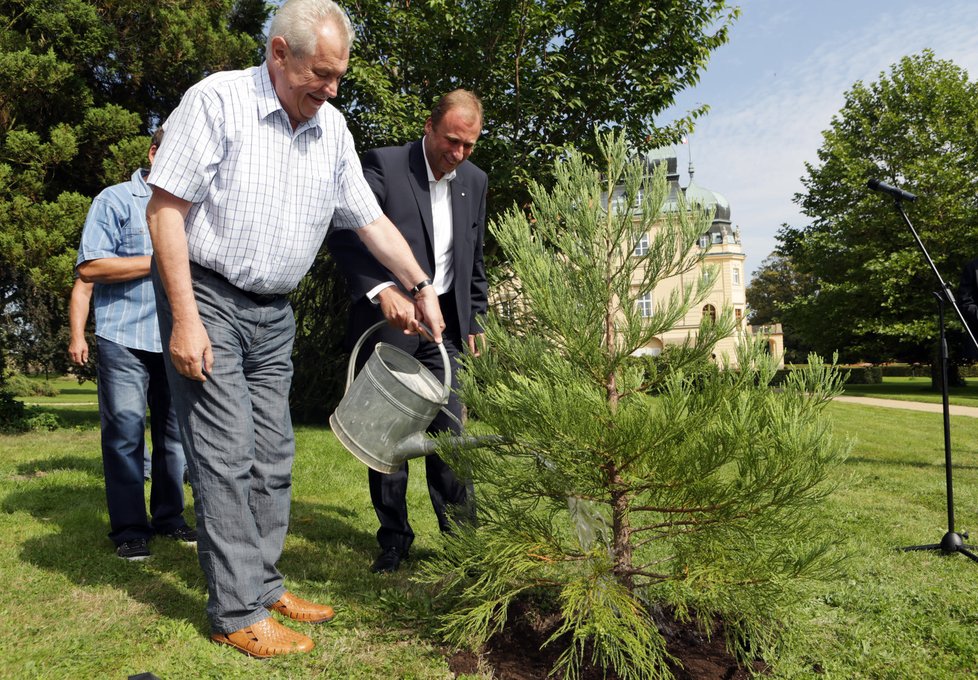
420,287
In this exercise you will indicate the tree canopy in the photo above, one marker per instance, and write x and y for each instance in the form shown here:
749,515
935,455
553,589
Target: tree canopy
549,73
775,283
870,298
82,83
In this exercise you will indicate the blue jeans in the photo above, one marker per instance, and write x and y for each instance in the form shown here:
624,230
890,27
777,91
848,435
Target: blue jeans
128,381
237,432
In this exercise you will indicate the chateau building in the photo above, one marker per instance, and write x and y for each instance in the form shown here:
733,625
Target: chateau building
723,251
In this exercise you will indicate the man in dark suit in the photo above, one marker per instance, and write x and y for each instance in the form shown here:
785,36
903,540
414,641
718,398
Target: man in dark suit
437,199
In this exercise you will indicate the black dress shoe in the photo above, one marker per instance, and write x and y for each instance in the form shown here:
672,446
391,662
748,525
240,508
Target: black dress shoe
389,561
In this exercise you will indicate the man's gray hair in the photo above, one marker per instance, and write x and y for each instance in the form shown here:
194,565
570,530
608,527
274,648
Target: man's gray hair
298,22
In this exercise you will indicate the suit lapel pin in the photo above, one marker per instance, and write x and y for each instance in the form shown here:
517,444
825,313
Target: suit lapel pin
463,194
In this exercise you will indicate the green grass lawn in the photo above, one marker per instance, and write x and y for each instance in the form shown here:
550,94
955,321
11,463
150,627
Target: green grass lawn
80,612
75,610
916,389
896,614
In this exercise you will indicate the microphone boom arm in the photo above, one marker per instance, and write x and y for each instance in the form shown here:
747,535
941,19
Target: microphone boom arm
895,192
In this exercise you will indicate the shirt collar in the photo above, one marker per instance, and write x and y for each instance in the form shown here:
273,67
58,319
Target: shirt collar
139,186
431,176
269,103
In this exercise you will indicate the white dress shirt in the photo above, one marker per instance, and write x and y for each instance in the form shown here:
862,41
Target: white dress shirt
441,221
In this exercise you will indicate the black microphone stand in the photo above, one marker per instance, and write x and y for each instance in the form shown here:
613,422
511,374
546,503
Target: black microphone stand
952,541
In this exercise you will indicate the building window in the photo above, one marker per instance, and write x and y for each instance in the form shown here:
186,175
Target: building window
642,247
618,202
717,237
738,314
705,241
644,305
736,276
710,312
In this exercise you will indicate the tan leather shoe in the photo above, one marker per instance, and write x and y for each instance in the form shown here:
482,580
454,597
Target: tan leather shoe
298,609
265,639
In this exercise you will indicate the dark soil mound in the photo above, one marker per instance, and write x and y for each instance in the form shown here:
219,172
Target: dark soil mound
515,654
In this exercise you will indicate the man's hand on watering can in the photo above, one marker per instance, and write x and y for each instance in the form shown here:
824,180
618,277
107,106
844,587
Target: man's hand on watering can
397,308
428,312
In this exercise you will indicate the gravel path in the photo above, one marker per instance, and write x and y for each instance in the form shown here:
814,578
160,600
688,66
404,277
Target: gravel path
953,409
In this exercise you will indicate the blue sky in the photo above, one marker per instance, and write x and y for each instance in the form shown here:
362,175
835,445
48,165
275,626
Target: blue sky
774,87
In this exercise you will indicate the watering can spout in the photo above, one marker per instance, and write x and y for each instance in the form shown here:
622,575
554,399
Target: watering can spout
414,445
417,444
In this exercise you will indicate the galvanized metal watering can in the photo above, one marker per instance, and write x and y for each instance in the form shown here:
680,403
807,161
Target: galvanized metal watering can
385,411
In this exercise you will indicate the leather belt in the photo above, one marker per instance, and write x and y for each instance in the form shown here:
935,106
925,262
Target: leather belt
257,298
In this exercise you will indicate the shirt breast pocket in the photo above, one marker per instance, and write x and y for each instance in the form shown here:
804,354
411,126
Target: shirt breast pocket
135,240
322,191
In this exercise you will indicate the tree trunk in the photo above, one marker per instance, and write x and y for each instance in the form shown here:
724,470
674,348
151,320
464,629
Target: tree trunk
621,534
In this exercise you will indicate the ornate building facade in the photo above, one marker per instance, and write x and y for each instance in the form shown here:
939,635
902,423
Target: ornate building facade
723,251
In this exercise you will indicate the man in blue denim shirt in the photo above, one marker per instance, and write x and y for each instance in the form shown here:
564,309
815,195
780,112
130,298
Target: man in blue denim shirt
114,254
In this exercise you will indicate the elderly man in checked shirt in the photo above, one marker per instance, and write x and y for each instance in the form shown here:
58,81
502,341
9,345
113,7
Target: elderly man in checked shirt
255,166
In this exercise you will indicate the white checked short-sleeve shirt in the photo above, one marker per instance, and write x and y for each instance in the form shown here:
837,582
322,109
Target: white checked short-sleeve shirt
263,195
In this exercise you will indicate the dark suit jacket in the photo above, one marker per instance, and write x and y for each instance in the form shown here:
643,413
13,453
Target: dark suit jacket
399,179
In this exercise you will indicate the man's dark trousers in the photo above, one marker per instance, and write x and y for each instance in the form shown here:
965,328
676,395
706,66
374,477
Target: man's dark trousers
452,500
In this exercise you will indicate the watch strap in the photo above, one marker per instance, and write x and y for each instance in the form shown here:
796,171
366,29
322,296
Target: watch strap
421,285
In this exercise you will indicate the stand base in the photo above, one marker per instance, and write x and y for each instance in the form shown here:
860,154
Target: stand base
951,543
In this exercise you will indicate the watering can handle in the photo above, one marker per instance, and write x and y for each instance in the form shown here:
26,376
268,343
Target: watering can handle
351,369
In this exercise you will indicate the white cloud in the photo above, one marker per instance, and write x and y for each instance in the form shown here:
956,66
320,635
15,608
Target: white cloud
753,145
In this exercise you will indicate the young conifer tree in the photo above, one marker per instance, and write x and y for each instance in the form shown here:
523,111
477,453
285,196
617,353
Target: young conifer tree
630,493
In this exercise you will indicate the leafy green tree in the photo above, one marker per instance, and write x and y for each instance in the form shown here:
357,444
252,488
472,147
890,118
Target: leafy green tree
772,286
12,411
622,498
81,83
915,127
548,73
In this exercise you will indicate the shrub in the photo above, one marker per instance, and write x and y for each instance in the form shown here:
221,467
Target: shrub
862,375
673,360
14,420
12,413
22,386
905,370
41,421
967,371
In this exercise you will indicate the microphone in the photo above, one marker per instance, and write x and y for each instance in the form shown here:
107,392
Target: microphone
895,192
